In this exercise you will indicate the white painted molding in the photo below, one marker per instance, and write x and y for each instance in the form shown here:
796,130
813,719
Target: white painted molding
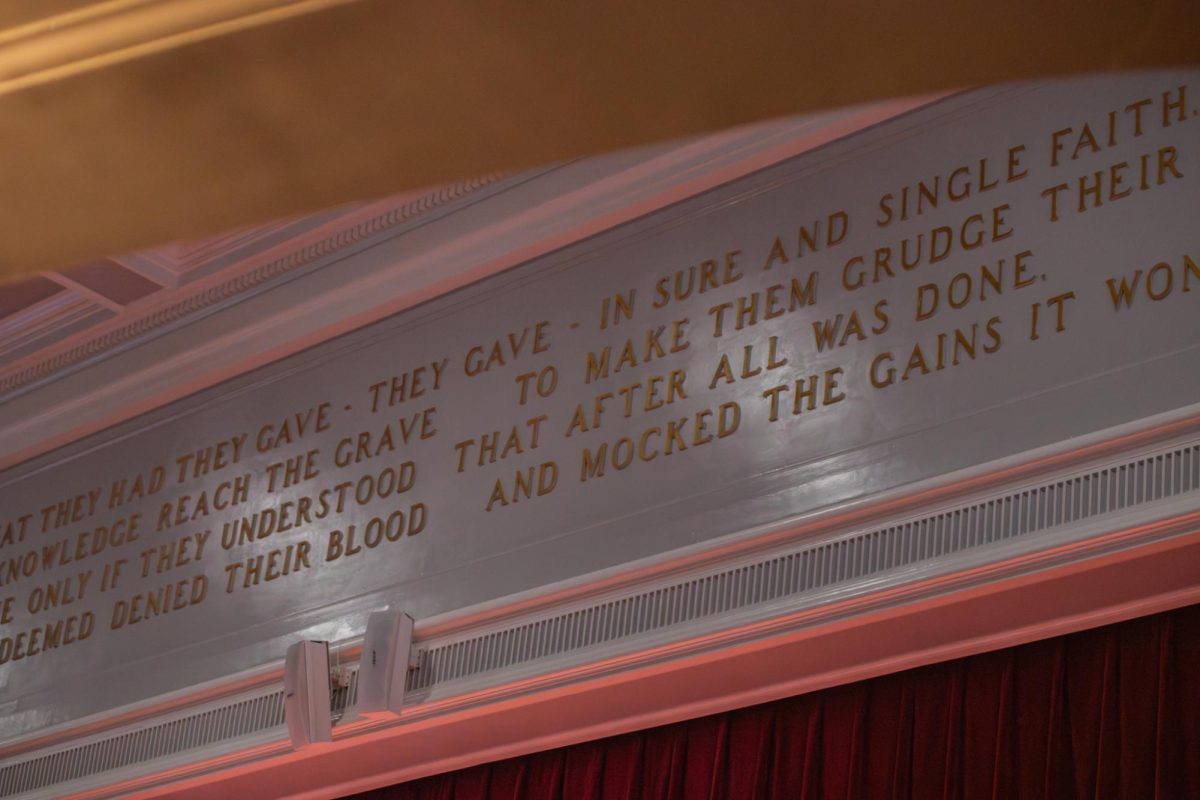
91,383
1131,553
257,271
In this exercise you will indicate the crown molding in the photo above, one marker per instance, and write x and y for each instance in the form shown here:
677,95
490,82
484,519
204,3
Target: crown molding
204,295
304,290
738,649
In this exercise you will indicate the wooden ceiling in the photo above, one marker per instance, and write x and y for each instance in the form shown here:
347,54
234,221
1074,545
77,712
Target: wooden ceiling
125,124
129,124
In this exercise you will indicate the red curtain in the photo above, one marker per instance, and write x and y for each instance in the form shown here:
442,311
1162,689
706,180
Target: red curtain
1112,712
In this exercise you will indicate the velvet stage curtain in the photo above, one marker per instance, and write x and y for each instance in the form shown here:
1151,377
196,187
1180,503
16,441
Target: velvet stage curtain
1112,712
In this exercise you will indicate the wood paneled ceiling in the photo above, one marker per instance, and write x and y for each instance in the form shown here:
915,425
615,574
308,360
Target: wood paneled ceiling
125,124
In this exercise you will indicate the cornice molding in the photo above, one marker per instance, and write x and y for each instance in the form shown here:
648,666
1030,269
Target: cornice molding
724,647
123,330
494,225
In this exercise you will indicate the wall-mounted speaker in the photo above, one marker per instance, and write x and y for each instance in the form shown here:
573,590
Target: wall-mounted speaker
383,668
306,702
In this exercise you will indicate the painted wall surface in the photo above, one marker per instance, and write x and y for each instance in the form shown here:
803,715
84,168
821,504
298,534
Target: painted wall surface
1003,270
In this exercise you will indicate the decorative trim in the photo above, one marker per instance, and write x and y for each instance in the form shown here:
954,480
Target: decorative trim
54,317
809,575
554,208
1077,518
244,282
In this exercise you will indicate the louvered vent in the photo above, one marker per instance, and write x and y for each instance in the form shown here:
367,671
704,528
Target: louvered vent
218,724
819,566
802,572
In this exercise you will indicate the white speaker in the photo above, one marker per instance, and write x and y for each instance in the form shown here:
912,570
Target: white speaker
306,699
383,668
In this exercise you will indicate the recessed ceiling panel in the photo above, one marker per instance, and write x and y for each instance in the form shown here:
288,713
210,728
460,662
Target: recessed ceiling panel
113,281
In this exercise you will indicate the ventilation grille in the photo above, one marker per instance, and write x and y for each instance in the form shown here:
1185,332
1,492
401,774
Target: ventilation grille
218,724
820,566
790,575
145,744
